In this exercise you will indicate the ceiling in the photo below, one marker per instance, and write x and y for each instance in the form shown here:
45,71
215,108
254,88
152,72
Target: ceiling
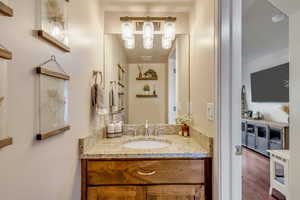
148,5
141,55
261,36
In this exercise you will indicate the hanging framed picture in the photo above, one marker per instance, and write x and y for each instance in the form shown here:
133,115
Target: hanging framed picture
53,100
5,140
5,8
53,23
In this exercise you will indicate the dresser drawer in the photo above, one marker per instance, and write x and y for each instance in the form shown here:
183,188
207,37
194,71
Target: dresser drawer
145,172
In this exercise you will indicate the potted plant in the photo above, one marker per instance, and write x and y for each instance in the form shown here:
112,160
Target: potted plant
146,89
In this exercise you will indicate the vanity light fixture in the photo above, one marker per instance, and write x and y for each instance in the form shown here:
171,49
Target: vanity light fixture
168,31
166,43
127,30
130,43
148,34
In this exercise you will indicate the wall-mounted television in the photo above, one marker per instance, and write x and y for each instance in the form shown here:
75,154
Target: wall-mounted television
271,85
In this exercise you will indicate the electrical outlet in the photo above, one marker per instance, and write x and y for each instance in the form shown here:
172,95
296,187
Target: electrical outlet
211,111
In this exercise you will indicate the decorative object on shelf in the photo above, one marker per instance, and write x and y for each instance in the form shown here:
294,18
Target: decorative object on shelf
5,53
154,89
244,102
150,73
146,89
286,109
53,23
53,100
6,10
184,120
149,26
140,71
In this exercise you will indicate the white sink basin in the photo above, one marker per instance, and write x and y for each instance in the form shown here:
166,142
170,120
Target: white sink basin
146,144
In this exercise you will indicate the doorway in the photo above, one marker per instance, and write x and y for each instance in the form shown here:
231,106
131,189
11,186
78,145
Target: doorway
230,74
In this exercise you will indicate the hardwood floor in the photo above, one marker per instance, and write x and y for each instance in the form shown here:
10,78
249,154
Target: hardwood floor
255,180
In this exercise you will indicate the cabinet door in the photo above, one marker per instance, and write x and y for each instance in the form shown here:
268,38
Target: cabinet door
178,192
116,193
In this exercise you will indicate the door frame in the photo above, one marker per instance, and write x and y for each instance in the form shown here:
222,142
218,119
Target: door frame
228,185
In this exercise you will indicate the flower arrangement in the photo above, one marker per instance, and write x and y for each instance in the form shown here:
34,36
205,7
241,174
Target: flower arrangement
183,119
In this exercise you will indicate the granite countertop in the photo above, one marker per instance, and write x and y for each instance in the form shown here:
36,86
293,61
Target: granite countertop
179,147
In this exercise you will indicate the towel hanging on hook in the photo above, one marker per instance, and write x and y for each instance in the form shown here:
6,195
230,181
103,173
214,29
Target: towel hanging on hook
97,92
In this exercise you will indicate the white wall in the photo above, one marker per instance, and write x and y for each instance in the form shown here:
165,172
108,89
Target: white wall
48,170
202,33
271,111
152,109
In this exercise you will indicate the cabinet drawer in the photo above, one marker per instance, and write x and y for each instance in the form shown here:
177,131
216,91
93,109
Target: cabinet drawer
145,172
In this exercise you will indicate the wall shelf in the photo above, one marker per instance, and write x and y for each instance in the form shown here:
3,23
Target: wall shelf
146,96
5,54
146,79
6,142
47,37
44,136
6,10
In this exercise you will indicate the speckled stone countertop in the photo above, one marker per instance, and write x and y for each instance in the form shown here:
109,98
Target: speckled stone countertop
179,147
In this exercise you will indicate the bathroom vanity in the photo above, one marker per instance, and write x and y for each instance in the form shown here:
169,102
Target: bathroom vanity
113,169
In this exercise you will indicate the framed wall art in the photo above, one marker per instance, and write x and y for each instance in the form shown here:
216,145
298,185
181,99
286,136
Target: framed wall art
52,20
5,8
53,100
5,140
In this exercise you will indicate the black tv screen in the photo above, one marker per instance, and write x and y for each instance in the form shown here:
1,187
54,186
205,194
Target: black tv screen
271,85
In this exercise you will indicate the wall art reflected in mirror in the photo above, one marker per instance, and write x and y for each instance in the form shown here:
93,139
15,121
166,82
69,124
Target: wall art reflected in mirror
153,83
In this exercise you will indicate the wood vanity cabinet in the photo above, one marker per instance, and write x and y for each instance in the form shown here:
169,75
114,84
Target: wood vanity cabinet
150,179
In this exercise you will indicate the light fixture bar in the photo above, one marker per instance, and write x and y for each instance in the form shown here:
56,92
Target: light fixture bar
127,18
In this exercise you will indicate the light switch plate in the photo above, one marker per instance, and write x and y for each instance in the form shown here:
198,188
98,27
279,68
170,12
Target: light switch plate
210,111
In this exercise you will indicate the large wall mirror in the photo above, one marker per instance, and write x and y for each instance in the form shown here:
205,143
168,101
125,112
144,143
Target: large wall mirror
148,84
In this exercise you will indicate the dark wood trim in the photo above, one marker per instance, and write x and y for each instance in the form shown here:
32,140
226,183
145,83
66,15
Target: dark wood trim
146,96
44,136
83,179
47,72
47,37
146,79
208,178
6,10
5,142
5,54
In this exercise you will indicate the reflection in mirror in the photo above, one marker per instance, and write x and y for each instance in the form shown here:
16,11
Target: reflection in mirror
147,84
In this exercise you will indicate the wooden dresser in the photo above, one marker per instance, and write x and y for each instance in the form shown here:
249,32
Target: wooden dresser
151,179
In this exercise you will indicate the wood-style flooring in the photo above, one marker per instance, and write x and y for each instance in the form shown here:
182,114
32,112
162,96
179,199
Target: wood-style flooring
255,180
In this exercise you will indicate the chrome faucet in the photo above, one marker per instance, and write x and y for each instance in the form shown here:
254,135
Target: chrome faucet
147,133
